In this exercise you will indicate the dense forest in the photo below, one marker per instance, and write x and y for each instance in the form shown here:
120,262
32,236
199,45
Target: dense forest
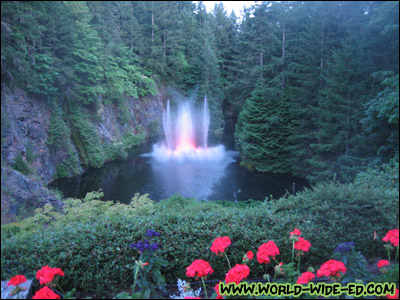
313,86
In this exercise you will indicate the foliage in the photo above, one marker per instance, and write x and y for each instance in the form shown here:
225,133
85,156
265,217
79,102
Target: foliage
87,141
62,171
58,134
262,131
382,115
337,82
326,107
185,290
91,237
153,128
129,139
21,166
355,262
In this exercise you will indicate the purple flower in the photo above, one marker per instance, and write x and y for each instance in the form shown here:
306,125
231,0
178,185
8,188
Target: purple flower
152,233
145,245
345,247
154,247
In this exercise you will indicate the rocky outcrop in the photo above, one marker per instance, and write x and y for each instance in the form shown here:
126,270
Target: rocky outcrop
25,123
24,127
21,194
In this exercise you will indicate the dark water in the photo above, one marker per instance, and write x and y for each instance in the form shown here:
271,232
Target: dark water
213,180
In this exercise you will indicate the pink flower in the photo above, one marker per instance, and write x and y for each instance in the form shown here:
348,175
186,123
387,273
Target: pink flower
219,296
295,232
265,251
199,268
237,274
220,244
250,255
392,236
395,296
16,280
331,268
305,278
302,245
46,274
382,263
45,293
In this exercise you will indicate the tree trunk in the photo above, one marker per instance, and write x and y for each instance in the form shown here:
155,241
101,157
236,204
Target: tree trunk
283,55
165,43
152,27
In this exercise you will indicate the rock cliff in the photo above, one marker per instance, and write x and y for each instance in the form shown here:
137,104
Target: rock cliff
28,160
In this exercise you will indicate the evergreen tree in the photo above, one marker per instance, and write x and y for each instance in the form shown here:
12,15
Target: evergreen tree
262,131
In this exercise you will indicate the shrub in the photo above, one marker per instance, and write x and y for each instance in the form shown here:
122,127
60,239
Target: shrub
153,128
62,171
90,239
21,166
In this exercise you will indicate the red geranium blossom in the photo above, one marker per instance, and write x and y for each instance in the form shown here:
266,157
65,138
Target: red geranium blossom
395,296
45,293
199,268
16,280
278,268
305,278
382,263
237,274
331,268
302,245
392,236
220,244
46,274
295,232
250,255
219,296
265,251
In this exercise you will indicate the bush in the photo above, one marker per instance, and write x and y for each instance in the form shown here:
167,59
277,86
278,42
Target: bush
153,128
90,239
62,171
21,166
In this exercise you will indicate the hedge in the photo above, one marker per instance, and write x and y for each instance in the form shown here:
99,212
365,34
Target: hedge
90,239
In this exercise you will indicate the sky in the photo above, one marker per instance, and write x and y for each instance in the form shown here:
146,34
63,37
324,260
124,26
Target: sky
237,6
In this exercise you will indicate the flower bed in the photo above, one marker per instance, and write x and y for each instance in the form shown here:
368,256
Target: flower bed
90,239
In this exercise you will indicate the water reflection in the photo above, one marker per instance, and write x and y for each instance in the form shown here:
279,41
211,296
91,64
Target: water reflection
205,180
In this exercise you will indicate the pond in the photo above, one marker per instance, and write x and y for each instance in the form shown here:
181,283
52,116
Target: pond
204,180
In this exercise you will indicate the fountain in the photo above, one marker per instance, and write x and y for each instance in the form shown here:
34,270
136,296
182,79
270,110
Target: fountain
186,137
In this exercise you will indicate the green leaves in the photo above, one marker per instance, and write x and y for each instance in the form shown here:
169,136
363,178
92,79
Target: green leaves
262,131
90,239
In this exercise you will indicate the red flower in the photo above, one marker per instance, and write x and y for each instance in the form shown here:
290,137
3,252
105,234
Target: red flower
382,263
199,268
392,236
46,274
219,296
331,268
265,251
395,296
302,245
295,232
279,269
220,244
237,274
250,255
45,293
16,280
145,264
305,278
